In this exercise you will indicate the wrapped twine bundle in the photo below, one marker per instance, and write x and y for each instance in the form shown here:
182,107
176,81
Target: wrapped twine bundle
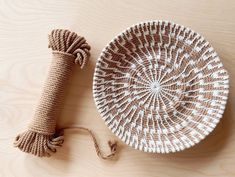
41,138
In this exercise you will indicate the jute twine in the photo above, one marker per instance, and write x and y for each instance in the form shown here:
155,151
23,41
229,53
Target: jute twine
42,138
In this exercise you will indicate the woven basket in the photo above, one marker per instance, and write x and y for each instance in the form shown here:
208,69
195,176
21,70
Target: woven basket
160,87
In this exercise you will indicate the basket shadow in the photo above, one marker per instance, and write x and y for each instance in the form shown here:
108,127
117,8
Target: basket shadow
206,150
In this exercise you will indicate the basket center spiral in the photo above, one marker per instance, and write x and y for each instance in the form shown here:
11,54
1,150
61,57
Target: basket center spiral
155,86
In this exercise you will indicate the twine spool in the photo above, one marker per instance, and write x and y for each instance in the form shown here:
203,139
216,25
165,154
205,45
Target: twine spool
41,138
160,87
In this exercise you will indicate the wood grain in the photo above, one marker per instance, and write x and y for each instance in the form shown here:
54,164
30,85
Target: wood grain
24,61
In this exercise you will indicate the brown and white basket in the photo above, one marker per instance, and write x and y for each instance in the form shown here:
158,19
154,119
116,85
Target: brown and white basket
160,87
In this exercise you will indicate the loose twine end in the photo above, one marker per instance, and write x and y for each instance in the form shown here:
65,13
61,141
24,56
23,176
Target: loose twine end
45,145
112,144
113,147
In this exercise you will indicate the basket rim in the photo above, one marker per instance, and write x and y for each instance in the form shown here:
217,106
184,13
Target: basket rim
148,150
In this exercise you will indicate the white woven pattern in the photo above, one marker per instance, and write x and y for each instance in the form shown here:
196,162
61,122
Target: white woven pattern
160,87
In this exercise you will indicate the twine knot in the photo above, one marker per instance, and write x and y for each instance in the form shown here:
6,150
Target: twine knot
69,42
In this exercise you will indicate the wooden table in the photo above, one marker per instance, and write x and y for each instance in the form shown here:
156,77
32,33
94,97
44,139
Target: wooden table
24,61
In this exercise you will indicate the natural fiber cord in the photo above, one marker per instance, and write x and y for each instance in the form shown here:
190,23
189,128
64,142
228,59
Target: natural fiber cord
41,138
112,144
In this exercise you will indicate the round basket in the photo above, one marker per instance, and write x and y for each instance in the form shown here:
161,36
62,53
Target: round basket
160,87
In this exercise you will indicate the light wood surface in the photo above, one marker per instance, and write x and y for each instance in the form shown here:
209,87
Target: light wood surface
24,61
